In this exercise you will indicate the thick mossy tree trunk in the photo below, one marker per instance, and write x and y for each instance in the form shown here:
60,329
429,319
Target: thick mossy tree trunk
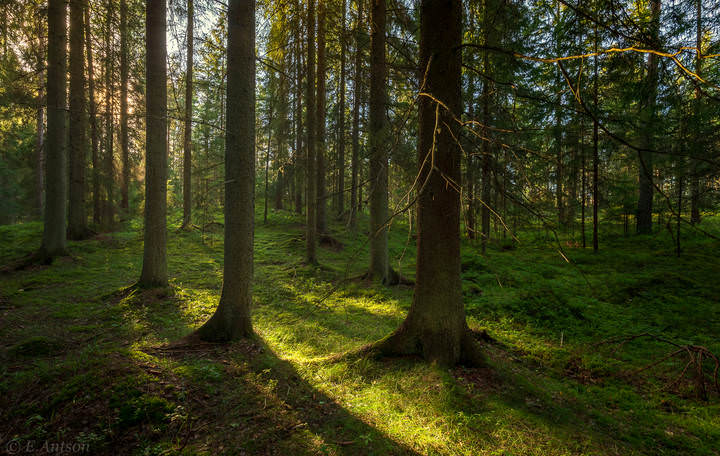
435,327
379,267
645,158
311,160
187,130
232,317
77,219
54,232
154,270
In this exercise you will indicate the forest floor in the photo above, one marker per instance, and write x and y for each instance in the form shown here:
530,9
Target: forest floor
83,361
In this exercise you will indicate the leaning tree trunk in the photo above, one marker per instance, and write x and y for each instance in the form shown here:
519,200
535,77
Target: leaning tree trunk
232,317
379,267
154,270
187,130
435,326
55,222
124,146
311,181
77,220
645,167
321,217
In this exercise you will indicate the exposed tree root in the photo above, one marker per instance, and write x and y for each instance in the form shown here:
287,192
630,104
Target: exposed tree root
393,278
405,342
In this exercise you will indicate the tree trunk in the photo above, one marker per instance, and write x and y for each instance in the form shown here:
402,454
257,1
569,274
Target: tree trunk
109,170
469,148
39,151
645,167
321,217
267,164
379,267
486,145
187,139
232,317
55,221
154,271
77,220
298,166
694,167
435,326
340,165
357,84
583,182
124,146
311,180
596,154
93,122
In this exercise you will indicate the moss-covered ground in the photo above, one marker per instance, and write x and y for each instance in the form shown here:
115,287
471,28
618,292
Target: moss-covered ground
84,360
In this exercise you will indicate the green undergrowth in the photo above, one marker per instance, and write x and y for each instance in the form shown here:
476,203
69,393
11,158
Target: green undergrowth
83,356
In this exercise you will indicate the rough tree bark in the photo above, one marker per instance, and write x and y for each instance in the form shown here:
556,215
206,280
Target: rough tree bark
435,326
154,270
231,320
77,219
54,232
